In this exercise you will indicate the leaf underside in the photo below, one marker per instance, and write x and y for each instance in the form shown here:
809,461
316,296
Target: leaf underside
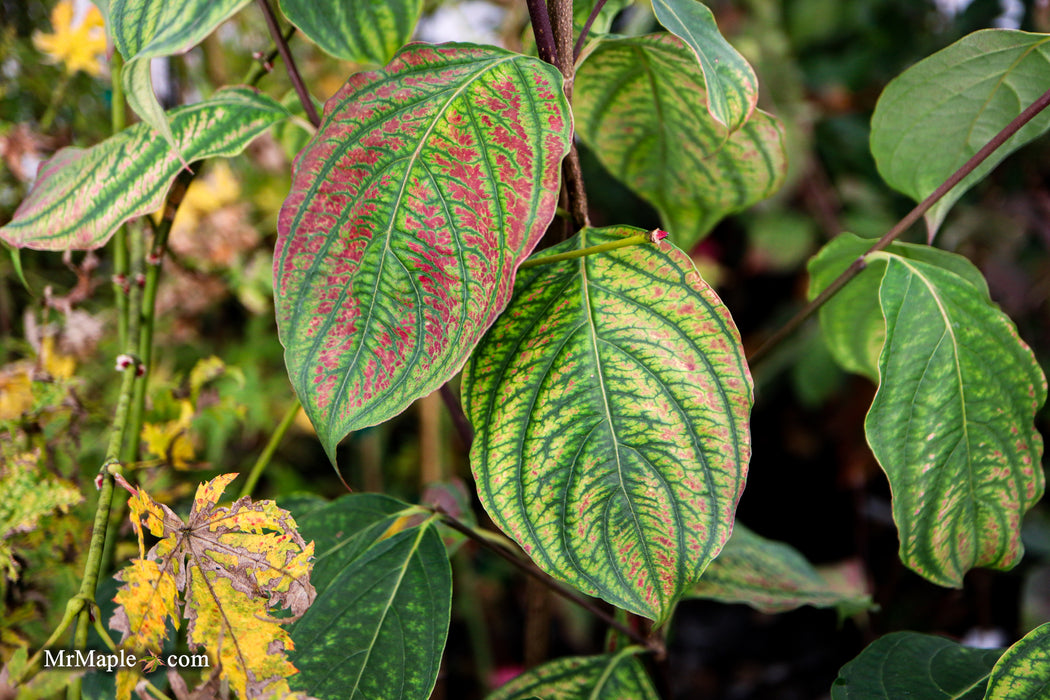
363,31
425,187
952,422
641,105
146,29
934,116
769,576
732,88
611,403
81,197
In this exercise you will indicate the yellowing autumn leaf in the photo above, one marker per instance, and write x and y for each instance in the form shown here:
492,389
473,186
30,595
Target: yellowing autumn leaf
228,568
172,442
76,47
28,495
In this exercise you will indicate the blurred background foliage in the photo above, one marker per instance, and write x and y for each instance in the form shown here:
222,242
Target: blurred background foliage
219,386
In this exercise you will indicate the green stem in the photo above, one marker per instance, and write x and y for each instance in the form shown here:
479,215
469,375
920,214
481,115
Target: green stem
148,310
118,121
271,447
93,565
56,98
651,237
265,64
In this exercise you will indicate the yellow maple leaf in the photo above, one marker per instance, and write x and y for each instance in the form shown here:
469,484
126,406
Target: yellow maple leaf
76,47
230,565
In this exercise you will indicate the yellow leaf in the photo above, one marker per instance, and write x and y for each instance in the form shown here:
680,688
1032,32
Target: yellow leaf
172,441
77,47
231,565
16,392
55,363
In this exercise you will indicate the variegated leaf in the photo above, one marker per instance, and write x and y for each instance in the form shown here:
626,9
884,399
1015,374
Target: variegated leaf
770,576
952,422
426,186
611,404
378,626
146,29
81,197
732,88
363,31
1023,672
641,105
608,677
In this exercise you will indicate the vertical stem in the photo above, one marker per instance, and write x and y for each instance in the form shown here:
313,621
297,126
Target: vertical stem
275,440
541,29
148,307
289,63
118,120
554,41
430,467
587,28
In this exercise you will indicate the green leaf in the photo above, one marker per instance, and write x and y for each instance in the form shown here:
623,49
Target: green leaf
363,31
640,104
952,422
608,677
852,320
581,10
732,88
81,197
1023,672
611,404
378,626
426,186
771,577
913,665
145,29
935,115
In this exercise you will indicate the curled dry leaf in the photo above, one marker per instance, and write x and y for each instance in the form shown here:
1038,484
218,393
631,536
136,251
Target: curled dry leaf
226,567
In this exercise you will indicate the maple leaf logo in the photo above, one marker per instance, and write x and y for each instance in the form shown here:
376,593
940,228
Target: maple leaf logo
226,568
150,662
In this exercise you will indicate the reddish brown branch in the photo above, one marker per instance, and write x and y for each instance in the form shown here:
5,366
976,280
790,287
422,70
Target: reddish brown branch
903,225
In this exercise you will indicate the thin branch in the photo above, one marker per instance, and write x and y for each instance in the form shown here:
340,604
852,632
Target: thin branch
459,419
653,236
289,63
265,62
531,570
587,29
271,447
903,225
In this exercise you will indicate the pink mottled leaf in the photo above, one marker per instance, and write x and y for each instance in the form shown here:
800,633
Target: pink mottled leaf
610,404
410,210
81,197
